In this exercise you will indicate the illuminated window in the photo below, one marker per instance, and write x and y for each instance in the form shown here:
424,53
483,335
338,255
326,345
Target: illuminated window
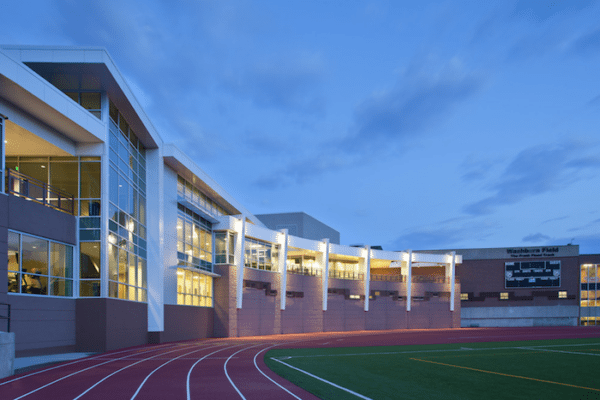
504,296
464,296
355,296
562,294
194,288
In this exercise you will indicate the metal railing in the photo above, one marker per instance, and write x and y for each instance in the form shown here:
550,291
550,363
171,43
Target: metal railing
21,185
7,317
432,279
355,276
388,278
301,270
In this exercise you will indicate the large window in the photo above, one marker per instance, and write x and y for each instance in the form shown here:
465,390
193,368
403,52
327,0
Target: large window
39,266
192,194
224,248
194,240
344,269
194,288
127,211
590,294
261,255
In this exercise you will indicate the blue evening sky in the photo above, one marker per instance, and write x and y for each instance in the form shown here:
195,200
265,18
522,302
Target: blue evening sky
421,124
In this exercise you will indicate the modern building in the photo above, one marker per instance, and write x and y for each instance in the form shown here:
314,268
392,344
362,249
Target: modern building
300,224
528,286
110,237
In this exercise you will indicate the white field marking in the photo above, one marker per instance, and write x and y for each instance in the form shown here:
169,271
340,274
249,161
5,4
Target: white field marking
265,375
100,356
561,351
162,365
75,373
130,365
323,344
324,380
227,375
192,367
433,351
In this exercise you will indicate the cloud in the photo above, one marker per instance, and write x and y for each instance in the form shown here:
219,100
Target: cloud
385,121
288,83
542,10
536,238
476,169
535,171
444,235
588,43
412,106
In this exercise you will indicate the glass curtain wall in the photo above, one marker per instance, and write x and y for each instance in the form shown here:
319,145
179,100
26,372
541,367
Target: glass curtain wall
39,266
590,294
194,240
81,177
194,288
261,255
192,194
127,212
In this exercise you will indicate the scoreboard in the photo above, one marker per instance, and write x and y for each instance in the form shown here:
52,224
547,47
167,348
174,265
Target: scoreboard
532,274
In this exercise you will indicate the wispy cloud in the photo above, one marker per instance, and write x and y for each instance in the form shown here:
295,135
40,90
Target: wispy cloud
288,83
536,238
386,120
537,170
542,10
444,235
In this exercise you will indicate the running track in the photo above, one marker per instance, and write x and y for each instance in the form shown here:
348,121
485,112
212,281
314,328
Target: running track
227,368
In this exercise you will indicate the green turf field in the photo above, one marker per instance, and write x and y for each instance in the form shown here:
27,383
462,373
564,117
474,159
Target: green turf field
545,369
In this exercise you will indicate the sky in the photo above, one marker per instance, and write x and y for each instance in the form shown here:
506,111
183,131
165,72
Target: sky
405,124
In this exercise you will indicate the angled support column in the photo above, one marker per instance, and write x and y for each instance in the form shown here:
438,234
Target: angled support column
367,277
409,281
283,237
452,279
325,275
239,260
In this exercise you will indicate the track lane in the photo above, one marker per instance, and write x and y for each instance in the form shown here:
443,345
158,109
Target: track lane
159,372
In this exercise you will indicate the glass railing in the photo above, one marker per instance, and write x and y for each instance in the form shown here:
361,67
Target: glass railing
32,189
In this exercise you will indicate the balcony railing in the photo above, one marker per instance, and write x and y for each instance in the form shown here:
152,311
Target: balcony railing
388,278
350,275
21,185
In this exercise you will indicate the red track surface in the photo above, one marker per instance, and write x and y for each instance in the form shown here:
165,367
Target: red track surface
227,368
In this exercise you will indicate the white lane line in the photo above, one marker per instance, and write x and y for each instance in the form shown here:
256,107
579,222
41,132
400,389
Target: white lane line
227,375
100,356
75,373
438,351
324,380
163,364
124,368
265,375
192,367
560,351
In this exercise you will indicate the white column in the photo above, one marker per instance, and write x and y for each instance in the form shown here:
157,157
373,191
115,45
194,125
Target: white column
155,266
283,267
325,275
452,275
239,259
367,277
409,281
